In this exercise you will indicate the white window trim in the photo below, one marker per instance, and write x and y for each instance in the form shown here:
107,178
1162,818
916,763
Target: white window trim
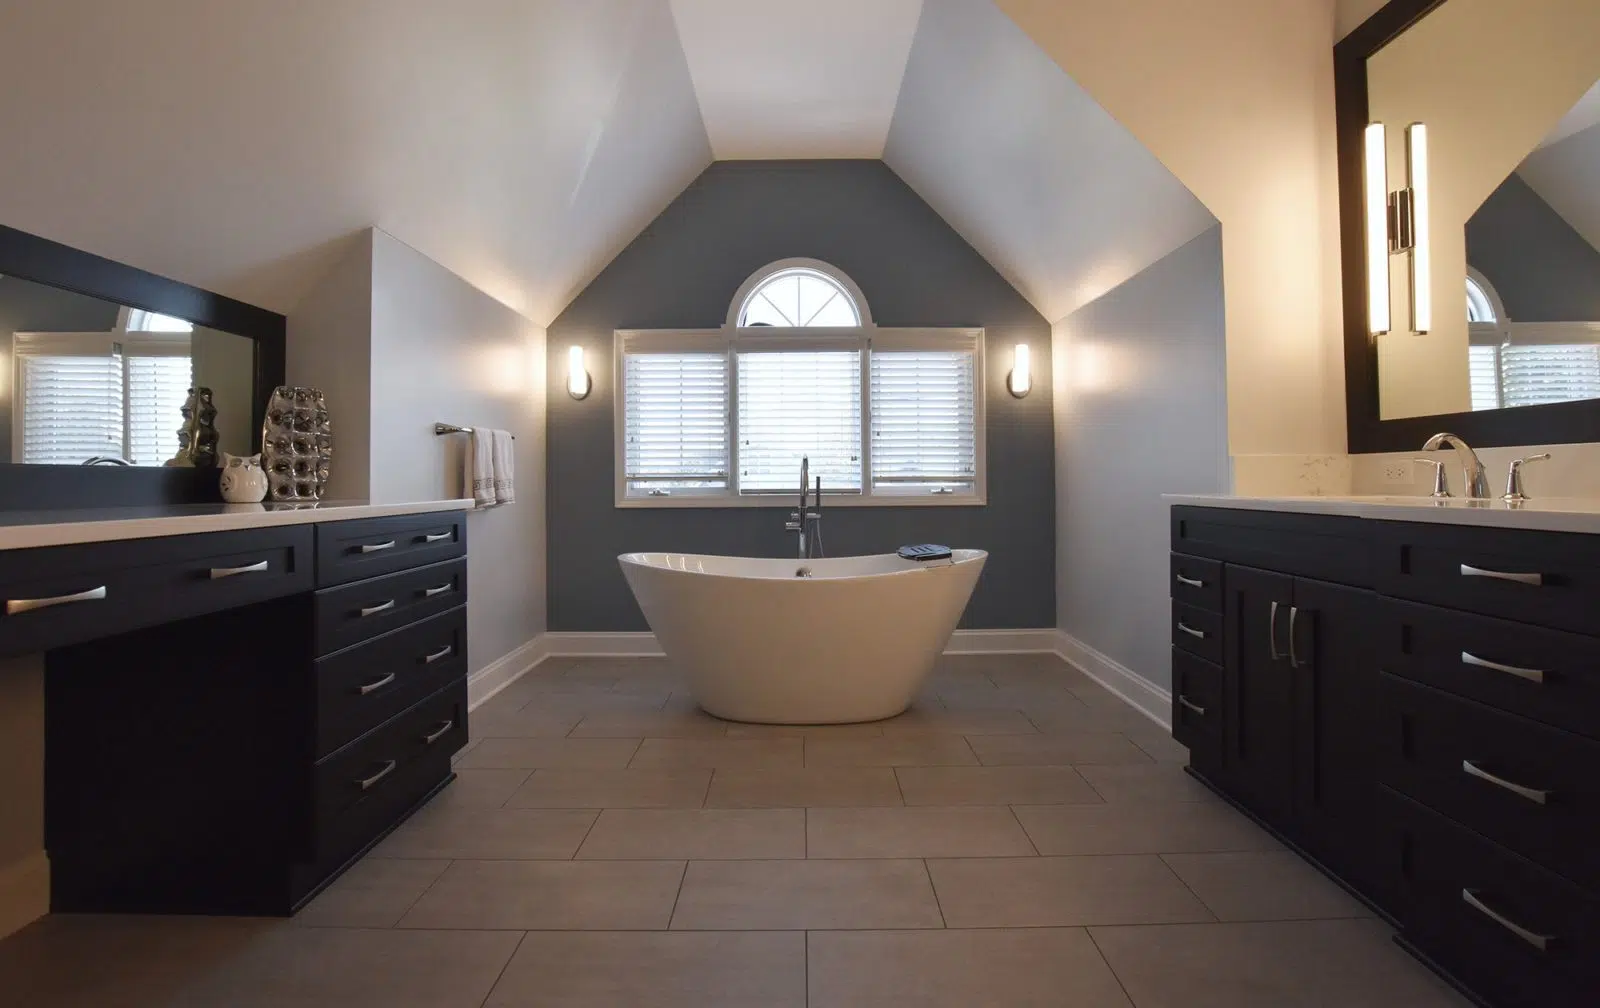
730,339
760,276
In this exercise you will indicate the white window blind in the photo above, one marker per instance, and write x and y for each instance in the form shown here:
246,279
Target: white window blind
69,407
157,388
1483,369
675,423
1531,374
795,404
924,421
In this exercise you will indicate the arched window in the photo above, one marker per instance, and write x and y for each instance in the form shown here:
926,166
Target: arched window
799,294
1480,307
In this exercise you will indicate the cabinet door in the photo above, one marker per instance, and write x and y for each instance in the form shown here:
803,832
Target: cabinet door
1334,662
1259,690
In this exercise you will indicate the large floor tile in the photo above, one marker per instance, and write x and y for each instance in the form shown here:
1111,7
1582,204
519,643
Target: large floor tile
1146,783
612,789
1056,750
534,753
1141,828
993,786
1032,968
375,893
550,896
520,723
958,722
1301,964
1263,885
795,788
1161,746
1062,892
702,834
747,754
889,751
872,729
668,969
488,834
971,831
650,724
789,895
482,789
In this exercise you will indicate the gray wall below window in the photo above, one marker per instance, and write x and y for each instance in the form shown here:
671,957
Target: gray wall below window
1542,268
682,272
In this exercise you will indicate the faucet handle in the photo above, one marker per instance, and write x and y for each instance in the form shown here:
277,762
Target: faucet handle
1514,492
1441,481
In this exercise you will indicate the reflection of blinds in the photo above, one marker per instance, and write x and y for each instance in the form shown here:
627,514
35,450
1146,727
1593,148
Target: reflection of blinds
794,404
1483,368
70,407
158,386
924,420
675,421
1531,375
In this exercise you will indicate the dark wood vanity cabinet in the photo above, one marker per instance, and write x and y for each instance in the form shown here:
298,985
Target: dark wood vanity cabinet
1374,709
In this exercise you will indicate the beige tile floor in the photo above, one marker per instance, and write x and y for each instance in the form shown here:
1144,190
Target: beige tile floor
1019,838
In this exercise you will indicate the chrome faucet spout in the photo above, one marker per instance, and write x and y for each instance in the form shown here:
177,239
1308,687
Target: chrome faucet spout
1476,478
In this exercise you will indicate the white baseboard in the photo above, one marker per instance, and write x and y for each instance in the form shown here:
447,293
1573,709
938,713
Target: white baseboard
1001,641
1138,692
24,892
505,670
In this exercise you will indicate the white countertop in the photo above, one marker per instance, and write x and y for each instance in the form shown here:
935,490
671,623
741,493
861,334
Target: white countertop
1551,514
28,529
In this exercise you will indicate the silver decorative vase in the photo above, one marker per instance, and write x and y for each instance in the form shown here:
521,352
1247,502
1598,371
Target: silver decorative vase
296,444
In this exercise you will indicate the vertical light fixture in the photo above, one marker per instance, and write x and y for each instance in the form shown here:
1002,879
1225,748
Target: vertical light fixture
1020,379
1377,200
1422,242
578,381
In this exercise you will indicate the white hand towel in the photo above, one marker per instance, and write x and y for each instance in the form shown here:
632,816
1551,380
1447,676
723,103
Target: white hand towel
505,468
478,468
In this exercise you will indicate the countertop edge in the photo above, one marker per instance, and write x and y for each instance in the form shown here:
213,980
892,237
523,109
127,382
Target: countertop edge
1493,514
232,518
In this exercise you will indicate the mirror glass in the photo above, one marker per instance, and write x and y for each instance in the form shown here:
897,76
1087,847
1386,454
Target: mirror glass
85,381
1510,94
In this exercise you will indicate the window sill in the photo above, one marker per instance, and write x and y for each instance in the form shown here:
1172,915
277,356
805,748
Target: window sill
789,502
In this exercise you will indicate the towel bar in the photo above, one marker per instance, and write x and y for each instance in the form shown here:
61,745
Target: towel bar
450,428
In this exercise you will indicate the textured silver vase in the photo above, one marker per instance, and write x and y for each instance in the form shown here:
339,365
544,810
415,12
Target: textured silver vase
296,444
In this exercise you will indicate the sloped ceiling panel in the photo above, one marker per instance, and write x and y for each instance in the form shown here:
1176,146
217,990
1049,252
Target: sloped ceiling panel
1019,159
236,146
796,80
1566,174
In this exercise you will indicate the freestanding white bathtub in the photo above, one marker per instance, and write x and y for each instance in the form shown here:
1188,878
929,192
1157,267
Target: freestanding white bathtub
851,640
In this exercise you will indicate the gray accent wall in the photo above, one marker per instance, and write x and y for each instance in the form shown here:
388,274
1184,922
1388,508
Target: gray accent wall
1542,268
683,271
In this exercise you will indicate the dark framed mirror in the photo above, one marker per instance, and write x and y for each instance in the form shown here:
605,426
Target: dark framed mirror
98,361
1472,292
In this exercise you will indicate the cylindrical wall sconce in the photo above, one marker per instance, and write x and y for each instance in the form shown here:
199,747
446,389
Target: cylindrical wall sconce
1398,224
1020,379
578,381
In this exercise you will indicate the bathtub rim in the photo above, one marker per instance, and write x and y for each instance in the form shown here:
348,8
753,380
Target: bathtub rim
959,558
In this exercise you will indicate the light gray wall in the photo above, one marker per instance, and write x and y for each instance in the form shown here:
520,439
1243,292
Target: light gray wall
682,272
1542,268
1141,410
225,363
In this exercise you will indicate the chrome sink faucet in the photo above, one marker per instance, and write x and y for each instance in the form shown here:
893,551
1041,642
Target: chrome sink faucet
1477,480
808,520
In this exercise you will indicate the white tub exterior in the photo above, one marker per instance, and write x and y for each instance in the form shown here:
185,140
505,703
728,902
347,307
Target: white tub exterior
852,642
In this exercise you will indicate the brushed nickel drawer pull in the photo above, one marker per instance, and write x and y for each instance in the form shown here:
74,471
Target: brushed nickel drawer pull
376,685
437,735
436,537
1530,674
1272,632
369,783
16,606
377,547
1191,582
1527,579
439,655
1534,795
373,610
1191,705
222,572
1191,631
1538,941
431,592
1294,616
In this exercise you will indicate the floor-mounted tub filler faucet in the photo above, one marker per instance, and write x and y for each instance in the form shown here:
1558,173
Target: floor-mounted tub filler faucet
1477,481
808,520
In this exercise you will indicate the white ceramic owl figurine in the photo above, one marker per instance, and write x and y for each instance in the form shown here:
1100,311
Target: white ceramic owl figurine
243,479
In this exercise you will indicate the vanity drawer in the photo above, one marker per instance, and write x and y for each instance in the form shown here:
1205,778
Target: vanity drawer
1547,675
1549,579
1197,631
364,686
1529,787
361,611
361,789
1518,935
1197,705
134,583
1197,582
352,550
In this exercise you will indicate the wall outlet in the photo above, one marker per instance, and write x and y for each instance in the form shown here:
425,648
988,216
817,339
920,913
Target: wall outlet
1398,473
